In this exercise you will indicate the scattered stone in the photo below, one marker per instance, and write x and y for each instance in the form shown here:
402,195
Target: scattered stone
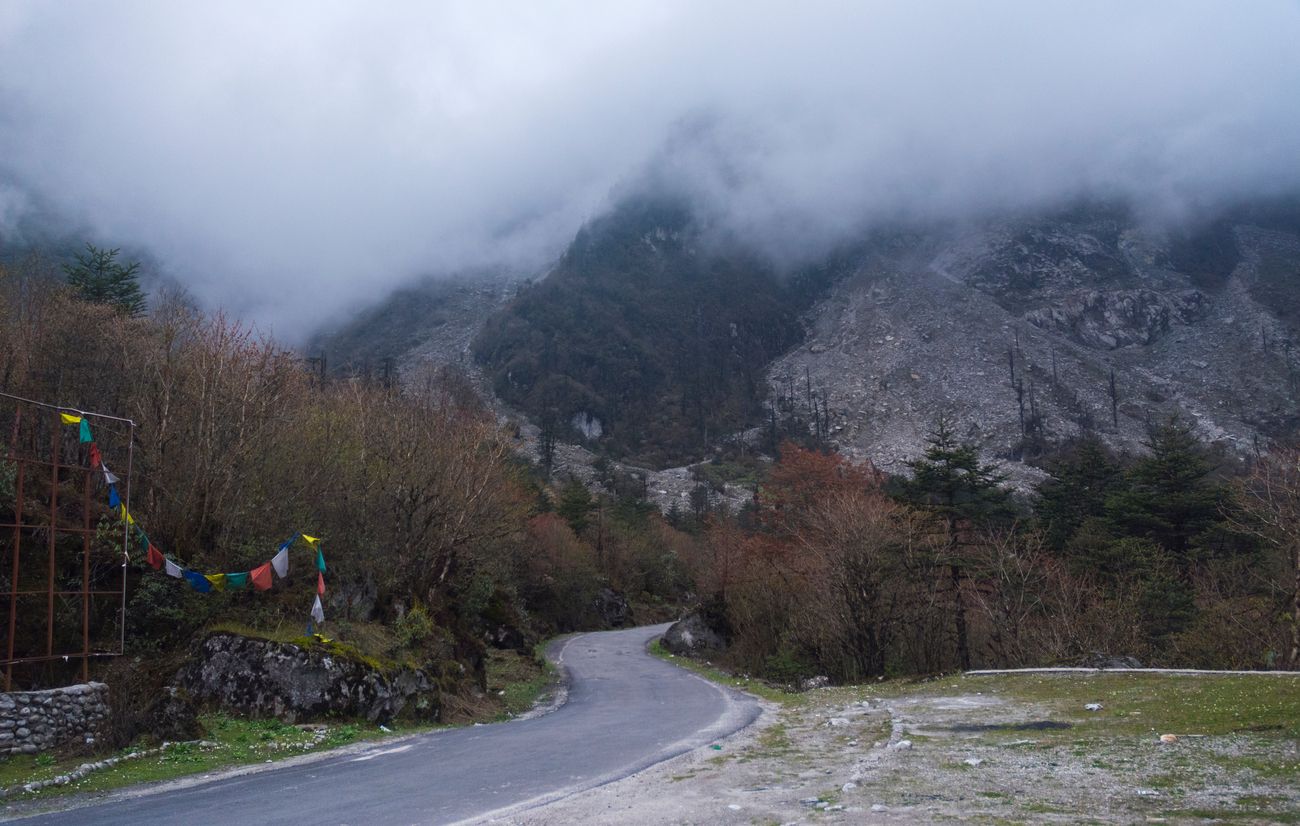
733,807
901,745
813,683
835,722
1169,738
972,761
1093,707
848,787
879,807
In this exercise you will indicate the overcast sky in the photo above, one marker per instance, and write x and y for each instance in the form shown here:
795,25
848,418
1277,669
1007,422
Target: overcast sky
288,160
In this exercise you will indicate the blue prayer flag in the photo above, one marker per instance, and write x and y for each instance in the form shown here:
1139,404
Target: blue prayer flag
198,581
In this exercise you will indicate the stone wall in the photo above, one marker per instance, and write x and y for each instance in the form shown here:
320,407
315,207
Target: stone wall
36,721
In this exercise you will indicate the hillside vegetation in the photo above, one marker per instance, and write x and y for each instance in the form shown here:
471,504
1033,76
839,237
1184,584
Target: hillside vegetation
649,339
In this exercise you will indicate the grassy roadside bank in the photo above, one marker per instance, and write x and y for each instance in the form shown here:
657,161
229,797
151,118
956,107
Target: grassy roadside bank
1013,748
514,683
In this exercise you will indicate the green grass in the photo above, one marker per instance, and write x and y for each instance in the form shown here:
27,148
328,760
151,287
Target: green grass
238,741
717,675
516,681
1140,704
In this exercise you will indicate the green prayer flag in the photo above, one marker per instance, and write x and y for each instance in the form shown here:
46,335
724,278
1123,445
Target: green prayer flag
144,542
320,560
85,431
236,581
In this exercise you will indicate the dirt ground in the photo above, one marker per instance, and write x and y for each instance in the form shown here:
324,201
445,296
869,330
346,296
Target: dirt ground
994,749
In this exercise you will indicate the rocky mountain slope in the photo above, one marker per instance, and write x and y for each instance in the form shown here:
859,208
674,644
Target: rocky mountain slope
1013,328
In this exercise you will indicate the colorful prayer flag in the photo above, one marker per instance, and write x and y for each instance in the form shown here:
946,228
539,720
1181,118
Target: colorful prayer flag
114,501
317,611
310,540
198,581
126,516
95,458
173,569
218,581
320,583
320,560
69,418
110,478
261,576
155,558
84,436
236,582
144,540
280,562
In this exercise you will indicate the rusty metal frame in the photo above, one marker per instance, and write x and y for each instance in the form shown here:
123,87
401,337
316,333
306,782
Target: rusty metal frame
23,463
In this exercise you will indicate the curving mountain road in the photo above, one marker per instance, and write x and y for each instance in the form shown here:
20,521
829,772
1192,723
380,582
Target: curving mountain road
626,710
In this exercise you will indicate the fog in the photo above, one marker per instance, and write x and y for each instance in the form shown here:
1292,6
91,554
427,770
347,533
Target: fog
289,161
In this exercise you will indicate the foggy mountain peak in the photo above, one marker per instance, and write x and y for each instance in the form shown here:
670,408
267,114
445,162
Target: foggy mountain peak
287,164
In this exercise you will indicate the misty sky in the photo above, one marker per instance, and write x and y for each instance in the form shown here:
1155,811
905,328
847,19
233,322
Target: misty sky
289,160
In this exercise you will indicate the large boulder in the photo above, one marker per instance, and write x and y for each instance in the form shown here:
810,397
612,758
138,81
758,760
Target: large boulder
297,683
692,634
612,608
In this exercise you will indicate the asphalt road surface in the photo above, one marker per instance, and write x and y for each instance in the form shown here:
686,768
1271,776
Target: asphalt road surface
626,711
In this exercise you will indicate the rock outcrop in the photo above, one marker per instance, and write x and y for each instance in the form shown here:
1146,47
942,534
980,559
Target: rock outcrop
296,683
612,608
692,634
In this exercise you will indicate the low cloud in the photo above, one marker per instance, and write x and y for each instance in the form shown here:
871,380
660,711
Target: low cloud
289,161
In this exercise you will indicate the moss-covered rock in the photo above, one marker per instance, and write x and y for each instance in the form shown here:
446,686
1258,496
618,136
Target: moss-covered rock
305,680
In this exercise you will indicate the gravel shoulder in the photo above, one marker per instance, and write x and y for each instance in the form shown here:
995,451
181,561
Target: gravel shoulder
993,748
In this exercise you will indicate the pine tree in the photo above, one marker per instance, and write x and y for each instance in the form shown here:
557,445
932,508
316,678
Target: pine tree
952,482
1081,481
1170,498
576,505
97,277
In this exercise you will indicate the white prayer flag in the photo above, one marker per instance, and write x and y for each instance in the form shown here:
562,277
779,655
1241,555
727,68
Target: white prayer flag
109,477
317,612
173,569
280,562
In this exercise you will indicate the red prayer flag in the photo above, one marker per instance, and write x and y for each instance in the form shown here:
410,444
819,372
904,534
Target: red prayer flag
154,557
320,583
261,577
94,456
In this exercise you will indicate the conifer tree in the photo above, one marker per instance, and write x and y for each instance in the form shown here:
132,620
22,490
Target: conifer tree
952,482
97,277
1169,498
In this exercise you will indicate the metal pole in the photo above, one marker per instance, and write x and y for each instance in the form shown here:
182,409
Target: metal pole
55,443
13,579
85,579
126,556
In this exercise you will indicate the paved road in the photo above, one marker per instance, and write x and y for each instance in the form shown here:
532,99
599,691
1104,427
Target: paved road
626,711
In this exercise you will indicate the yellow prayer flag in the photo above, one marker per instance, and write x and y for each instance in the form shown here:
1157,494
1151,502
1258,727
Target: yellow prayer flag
218,581
68,418
127,517
311,540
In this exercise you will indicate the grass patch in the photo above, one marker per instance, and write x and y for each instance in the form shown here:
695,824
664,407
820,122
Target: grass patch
717,675
516,681
238,741
1140,704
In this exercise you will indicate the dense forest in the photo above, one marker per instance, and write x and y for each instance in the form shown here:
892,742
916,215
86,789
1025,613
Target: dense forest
652,327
